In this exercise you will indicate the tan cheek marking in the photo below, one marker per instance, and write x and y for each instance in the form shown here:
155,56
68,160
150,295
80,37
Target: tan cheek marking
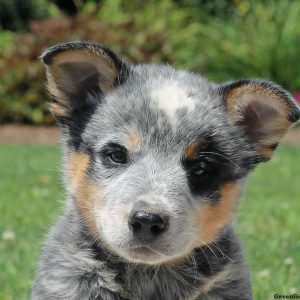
192,150
133,142
213,217
85,192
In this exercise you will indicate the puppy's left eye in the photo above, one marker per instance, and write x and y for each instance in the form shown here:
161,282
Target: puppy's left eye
201,169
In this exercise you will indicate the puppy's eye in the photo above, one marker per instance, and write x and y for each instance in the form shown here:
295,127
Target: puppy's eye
201,169
114,154
118,156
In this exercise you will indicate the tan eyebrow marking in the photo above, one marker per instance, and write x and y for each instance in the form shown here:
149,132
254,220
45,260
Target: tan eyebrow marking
134,141
192,151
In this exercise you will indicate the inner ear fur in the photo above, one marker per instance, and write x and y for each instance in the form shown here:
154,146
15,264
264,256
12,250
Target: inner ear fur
76,70
263,110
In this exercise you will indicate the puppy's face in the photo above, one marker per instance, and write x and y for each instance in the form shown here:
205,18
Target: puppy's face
156,158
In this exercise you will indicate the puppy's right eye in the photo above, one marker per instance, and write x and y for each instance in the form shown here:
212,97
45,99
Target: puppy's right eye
114,154
119,157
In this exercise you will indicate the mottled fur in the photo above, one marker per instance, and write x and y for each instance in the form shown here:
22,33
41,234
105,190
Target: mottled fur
189,145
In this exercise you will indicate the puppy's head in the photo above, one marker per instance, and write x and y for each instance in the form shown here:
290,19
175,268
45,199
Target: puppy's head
156,158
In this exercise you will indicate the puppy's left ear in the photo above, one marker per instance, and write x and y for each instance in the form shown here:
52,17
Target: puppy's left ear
263,110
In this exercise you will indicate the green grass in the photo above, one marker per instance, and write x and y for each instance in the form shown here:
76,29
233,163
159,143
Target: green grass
268,220
31,192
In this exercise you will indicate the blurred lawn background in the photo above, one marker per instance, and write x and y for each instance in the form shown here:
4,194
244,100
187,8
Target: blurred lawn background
223,39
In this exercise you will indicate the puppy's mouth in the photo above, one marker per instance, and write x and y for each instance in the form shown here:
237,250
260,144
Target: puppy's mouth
141,250
144,254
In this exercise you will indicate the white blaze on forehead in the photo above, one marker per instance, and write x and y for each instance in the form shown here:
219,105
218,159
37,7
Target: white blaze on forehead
170,97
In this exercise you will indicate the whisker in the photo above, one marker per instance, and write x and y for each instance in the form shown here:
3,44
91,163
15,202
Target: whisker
215,153
215,244
207,260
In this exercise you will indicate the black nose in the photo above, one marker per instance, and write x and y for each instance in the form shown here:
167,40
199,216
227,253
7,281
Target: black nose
147,226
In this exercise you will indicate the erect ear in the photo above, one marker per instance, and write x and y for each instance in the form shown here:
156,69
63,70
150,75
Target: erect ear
76,71
263,110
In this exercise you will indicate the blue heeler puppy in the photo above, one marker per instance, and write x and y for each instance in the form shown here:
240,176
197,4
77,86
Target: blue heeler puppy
155,164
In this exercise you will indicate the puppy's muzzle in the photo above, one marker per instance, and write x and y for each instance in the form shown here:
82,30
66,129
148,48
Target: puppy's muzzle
147,226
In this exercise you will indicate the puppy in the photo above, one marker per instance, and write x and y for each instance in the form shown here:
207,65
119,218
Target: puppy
155,164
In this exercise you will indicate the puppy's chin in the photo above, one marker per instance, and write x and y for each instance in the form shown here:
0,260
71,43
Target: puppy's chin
149,256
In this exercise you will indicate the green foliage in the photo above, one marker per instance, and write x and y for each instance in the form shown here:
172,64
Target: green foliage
262,40
268,220
16,14
222,39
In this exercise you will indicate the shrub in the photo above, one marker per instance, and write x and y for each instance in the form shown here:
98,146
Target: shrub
22,95
16,14
249,38
262,40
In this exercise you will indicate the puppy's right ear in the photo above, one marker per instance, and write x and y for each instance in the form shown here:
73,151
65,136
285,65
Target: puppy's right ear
78,73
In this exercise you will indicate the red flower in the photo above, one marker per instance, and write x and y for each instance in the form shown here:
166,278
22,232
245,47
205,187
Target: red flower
296,95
